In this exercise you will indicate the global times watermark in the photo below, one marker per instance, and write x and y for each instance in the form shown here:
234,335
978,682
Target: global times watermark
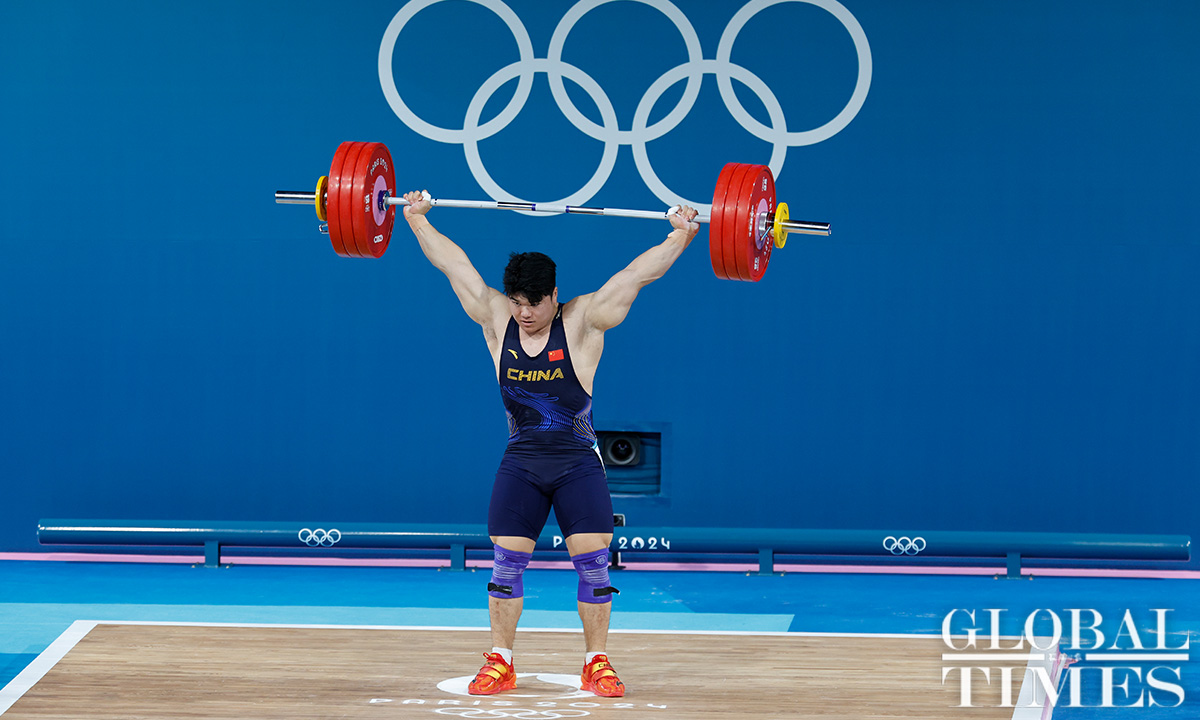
1073,657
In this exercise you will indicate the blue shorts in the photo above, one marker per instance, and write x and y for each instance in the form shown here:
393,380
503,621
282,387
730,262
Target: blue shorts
529,484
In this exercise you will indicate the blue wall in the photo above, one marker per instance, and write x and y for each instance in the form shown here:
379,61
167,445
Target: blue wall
1003,332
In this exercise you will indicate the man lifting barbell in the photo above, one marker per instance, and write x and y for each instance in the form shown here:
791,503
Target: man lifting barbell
546,354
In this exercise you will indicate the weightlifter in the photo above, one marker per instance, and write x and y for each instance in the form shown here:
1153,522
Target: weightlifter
546,354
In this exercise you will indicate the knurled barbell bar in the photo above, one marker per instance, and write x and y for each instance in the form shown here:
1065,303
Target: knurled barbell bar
358,200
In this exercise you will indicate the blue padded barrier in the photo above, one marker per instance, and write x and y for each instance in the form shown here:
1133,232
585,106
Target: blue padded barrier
765,542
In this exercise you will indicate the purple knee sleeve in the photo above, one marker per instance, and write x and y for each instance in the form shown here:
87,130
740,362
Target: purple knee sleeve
593,577
506,573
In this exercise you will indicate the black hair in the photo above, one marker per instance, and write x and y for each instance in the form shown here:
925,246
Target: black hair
530,274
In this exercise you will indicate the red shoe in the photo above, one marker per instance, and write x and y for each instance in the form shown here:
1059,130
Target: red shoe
495,676
599,677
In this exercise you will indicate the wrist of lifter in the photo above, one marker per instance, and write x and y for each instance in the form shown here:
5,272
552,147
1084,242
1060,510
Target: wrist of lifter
682,237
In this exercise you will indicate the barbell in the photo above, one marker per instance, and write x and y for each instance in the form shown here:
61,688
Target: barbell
358,200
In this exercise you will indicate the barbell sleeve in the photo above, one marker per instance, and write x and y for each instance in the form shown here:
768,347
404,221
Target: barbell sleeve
297,197
806,227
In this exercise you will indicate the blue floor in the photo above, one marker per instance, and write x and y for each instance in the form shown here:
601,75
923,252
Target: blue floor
39,600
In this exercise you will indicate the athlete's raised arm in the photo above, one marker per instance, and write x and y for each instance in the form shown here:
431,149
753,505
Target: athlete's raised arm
481,302
608,306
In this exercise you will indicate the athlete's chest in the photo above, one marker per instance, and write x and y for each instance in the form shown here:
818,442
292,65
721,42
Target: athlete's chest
533,345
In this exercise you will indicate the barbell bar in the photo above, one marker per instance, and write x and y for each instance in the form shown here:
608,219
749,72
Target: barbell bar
300,197
745,223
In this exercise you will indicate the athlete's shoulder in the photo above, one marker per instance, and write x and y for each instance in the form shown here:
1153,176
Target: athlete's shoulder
574,312
501,314
576,308
582,318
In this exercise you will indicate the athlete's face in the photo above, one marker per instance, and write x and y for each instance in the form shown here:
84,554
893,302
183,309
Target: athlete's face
534,317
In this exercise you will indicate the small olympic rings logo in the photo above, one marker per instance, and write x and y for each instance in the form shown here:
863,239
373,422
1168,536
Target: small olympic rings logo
319,537
608,132
904,545
524,713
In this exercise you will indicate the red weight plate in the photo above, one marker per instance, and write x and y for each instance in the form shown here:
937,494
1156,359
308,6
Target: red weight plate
738,236
333,204
348,202
715,242
331,189
345,175
755,205
764,242
359,205
731,224
373,176
388,173
384,223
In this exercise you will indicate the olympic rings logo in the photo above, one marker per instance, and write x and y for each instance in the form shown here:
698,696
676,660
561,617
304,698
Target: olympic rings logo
524,713
904,545
319,537
641,133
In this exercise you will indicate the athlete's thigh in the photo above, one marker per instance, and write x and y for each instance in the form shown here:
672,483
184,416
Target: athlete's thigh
581,500
520,504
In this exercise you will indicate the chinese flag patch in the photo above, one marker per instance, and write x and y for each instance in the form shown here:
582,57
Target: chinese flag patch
556,355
